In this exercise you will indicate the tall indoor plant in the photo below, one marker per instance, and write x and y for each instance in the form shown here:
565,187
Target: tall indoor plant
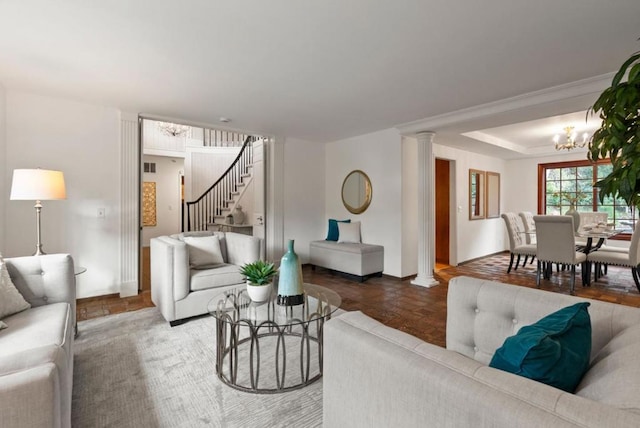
618,138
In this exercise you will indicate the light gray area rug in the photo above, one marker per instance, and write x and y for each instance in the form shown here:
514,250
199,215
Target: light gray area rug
134,370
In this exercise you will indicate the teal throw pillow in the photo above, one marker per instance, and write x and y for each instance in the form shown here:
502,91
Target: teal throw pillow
554,351
334,233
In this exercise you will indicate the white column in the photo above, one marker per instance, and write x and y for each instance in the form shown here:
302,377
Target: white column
130,204
275,199
426,211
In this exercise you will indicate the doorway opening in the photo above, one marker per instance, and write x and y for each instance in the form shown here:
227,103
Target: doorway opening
178,166
443,212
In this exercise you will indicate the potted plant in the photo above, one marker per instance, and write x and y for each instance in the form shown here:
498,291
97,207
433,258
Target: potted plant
618,138
259,276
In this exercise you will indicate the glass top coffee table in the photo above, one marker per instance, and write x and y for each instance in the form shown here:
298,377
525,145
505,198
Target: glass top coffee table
267,348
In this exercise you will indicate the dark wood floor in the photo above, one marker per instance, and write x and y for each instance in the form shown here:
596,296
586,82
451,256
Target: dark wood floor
416,310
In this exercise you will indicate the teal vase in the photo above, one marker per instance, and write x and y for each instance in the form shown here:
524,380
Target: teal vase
290,290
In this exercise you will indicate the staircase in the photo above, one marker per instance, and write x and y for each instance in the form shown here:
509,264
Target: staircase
219,200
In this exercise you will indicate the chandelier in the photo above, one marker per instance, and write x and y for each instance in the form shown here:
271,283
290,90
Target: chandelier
571,142
173,129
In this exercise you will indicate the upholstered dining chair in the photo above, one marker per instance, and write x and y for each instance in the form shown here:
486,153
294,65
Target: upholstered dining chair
529,227
629,259
556,243
517,244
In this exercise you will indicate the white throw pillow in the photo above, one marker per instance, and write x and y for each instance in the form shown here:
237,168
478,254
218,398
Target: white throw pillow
11,301
349,232
204,251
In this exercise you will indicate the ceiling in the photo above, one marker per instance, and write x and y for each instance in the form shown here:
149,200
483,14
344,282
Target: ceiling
318,70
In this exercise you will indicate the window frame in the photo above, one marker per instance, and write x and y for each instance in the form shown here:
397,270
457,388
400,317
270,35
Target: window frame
542,168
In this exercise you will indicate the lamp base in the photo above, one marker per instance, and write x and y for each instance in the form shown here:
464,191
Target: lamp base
39,252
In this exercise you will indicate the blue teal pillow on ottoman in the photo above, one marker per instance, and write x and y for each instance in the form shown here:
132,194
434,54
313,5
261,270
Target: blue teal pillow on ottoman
334,233
555,350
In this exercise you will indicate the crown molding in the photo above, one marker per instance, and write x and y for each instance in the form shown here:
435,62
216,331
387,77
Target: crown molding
592,85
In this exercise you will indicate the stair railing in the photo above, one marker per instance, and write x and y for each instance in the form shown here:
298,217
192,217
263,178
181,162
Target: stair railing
217,197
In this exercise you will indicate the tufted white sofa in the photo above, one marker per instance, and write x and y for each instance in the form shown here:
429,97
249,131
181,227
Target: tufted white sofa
36,349
375,376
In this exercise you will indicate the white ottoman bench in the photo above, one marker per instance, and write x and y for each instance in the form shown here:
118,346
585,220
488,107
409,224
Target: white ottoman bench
359,260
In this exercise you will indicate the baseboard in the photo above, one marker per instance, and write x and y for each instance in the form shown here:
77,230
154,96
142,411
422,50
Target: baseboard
483,257
94,298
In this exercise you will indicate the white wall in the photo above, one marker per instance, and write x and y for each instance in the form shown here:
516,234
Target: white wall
168,203
82,140
474,238
204,166
379,155
391,220
521,190
304,201
5,174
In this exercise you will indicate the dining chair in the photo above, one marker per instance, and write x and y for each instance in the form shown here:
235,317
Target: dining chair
629,259
529,227
556,243
517,244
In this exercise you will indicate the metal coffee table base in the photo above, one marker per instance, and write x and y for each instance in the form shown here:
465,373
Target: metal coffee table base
229,343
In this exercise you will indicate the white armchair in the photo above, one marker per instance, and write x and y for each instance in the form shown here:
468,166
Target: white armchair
181,290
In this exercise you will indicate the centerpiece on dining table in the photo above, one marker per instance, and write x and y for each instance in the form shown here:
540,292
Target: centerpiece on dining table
573,198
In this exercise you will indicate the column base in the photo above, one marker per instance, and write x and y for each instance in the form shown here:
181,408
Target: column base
128,289
424,281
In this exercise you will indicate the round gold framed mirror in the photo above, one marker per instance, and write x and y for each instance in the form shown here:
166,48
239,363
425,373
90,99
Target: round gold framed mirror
356,192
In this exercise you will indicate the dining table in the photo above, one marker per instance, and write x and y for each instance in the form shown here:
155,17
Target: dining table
599,233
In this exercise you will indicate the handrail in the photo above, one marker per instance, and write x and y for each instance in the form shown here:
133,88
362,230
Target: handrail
221,196
246,141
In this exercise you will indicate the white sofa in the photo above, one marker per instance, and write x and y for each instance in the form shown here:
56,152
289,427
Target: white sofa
181,292
375,376
36,349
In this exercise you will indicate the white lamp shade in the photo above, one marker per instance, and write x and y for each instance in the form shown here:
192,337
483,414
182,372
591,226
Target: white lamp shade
37,184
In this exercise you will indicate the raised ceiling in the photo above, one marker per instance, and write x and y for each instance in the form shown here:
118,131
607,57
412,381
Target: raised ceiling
315,70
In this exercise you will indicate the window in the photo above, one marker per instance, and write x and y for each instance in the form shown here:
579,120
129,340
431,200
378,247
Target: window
565,183
150,167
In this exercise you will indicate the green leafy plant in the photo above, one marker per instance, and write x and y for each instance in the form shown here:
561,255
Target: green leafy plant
618,138
259,272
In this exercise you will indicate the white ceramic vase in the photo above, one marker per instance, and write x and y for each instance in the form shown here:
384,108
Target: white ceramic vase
238,215
259,293
576,217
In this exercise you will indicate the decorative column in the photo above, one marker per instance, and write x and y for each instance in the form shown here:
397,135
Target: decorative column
130,185
426,211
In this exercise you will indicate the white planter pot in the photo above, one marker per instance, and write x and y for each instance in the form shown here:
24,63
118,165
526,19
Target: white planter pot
259,293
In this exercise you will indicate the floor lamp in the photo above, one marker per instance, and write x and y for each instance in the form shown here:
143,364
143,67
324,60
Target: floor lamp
37,185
